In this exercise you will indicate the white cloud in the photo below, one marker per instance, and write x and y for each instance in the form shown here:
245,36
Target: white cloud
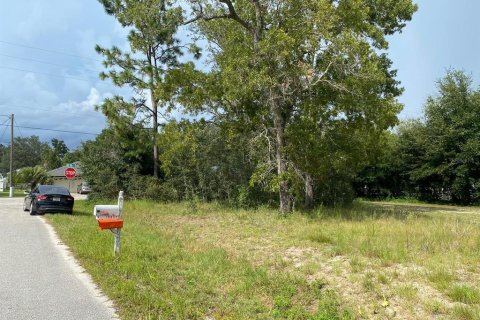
47,96
92,99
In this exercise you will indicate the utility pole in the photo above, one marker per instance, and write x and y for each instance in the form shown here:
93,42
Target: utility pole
11,156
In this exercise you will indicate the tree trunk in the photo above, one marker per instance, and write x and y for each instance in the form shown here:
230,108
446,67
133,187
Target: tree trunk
308,191
279,124
155,132
153,65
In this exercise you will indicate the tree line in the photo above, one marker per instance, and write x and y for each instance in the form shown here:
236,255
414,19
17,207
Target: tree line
436,158
34,158
287,103
294,96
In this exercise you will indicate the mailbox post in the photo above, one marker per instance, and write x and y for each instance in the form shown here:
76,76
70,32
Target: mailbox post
109,217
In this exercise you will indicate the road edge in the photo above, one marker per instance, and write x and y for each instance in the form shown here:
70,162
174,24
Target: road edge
80,271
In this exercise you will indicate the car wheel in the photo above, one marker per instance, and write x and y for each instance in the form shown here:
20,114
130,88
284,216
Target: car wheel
32,210
70,212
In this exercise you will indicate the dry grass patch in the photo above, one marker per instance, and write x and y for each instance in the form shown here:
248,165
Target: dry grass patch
378,261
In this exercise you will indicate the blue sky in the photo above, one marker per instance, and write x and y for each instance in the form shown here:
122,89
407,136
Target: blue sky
443,34
57,91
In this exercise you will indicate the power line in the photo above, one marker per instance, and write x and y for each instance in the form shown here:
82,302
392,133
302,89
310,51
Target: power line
16,126
48,50
56,130
49,110
45,62
4,130
43,73
34,107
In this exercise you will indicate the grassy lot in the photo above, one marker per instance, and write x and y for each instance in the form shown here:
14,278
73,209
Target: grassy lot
205,261
16,193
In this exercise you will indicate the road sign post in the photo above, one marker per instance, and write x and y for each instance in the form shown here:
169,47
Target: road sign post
70,173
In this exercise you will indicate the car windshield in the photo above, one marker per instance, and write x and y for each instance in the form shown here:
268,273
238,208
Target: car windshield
53,190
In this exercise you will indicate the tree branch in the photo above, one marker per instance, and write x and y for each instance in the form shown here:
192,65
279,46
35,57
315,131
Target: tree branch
259,21
122,64
232,14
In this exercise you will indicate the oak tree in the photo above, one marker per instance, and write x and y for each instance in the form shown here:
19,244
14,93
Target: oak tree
303,73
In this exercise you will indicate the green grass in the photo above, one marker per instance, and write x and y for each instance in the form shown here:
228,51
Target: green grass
163,274
463,312
180,261
400,200
407,292
400,235
16,193
464,294
441,278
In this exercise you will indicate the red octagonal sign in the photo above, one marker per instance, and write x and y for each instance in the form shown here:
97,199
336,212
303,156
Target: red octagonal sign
70,173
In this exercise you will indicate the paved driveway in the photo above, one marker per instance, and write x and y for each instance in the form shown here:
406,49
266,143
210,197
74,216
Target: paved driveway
38,278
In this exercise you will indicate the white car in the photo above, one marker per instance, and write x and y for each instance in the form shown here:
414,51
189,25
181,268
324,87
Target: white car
83,188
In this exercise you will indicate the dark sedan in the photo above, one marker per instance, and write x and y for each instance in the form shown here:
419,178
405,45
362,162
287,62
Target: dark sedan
47,198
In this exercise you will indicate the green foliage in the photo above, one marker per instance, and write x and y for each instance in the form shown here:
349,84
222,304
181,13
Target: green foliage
50,159
27,153
436,159
199,161
30,152
33,176
53,156
321,93
453,150
207,161
154,49
72,156
108,165
388,173
147,187
297,95
59,147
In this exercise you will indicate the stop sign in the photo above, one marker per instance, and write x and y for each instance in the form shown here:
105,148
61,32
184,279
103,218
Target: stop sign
70,173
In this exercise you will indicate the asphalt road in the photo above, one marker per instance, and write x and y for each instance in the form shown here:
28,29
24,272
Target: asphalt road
38,277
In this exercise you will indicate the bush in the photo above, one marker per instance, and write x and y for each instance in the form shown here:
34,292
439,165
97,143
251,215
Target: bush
148,187
252,197
336,191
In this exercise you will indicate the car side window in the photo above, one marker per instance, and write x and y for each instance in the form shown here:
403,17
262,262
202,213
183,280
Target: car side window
35,190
